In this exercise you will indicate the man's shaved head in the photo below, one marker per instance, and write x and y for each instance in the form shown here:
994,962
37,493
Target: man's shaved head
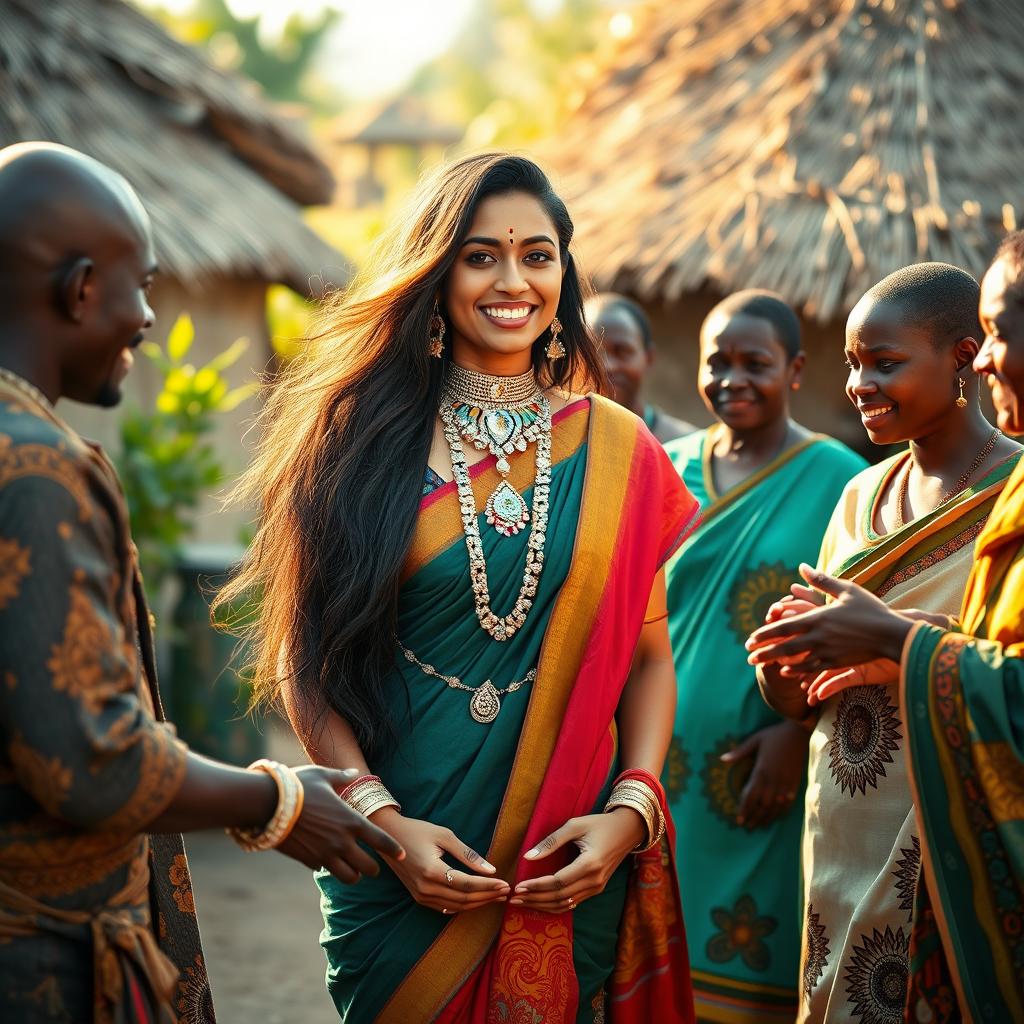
56,202
76,258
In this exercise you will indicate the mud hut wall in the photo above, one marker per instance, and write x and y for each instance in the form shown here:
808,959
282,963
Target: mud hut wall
222,311
820,404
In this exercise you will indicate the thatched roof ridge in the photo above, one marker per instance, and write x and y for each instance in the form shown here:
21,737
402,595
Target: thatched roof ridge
808,146
222,175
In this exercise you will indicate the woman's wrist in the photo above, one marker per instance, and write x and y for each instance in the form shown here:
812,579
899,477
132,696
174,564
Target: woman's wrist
637,825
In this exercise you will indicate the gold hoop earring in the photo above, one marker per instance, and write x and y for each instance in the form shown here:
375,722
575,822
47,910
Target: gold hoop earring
555,349
435,335
961,401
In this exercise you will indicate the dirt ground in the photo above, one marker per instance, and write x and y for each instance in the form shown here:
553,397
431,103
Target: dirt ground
260,922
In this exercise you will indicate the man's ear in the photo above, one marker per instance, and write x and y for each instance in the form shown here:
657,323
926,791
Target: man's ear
76,288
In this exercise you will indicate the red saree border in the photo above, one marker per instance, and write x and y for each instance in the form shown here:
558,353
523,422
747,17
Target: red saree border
455,954
439,525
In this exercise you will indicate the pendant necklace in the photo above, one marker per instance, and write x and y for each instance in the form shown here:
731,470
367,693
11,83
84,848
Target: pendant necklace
500,627
500,415
485,703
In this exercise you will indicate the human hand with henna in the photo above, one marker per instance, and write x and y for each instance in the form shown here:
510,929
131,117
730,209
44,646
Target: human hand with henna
423,871
780,760
604,841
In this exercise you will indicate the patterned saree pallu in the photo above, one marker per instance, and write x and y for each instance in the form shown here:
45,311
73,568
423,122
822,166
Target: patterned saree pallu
616,512
965,698
739,886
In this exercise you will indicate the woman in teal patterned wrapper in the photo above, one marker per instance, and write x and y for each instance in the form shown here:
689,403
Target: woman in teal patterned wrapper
735,773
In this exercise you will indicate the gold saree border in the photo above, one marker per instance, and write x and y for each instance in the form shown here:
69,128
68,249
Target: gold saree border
457,951
887,550
721,502
439,525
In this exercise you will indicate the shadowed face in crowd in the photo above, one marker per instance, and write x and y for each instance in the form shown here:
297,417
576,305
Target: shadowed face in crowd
746,375
1001,358
901,381
626,359
76,264
503,290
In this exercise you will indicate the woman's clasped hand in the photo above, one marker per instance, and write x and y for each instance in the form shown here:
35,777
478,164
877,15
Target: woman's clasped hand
429,879
833,634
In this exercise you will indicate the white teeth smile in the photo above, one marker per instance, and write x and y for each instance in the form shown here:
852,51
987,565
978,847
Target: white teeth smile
870,414
503,313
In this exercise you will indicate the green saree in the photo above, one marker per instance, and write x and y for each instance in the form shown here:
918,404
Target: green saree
740,889
447,768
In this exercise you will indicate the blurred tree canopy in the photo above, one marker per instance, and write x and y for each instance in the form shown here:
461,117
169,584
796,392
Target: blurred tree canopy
283,66
509,74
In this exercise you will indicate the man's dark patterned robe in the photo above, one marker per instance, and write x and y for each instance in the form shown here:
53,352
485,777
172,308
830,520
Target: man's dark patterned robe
97,920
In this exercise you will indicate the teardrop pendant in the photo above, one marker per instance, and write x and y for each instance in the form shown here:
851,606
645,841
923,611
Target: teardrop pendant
506,510
485,703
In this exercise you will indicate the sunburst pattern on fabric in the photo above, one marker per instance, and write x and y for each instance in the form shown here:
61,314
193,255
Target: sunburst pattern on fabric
907,869
195,1001
677,769
753,593
877,977
723,782
865,735
817,951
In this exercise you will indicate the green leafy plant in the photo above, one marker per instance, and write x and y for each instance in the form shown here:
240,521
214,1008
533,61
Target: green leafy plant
167,462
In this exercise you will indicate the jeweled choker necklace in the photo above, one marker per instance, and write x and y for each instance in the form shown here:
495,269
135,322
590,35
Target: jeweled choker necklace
502,426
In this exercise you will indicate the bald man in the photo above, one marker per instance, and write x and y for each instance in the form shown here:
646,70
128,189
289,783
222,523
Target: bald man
97,919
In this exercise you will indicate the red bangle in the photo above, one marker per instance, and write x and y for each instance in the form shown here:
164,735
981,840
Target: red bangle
357,782
642,775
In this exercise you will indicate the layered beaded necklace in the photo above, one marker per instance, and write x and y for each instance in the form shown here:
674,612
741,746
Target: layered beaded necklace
502,415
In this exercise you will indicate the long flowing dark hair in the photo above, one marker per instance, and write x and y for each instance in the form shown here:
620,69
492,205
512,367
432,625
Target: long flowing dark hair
346,434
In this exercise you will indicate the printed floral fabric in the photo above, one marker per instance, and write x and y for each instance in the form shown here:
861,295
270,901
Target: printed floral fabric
85,761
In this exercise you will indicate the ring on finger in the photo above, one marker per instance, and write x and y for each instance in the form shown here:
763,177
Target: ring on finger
571,902
449,877
445,910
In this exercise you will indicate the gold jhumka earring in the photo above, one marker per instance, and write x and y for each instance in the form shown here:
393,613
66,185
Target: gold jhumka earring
961,401
555,349
435,336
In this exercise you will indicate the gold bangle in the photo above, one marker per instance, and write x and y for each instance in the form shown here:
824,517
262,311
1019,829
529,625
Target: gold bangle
637,795
290,798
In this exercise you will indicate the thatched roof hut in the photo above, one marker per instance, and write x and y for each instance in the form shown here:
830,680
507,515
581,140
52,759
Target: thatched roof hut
808,146
221,173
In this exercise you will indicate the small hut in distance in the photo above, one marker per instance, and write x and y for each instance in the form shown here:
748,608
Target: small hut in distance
804,146
223,176
401,128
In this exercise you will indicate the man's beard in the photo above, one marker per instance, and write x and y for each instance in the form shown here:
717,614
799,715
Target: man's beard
109,395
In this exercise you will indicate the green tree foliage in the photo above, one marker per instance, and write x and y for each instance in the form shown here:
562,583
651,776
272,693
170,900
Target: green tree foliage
167,462
281,66
510,71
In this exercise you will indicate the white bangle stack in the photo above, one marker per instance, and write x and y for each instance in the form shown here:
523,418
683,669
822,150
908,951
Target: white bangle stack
289,806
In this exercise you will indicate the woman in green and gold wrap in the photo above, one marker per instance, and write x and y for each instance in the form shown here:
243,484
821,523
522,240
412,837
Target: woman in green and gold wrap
460,553
735,772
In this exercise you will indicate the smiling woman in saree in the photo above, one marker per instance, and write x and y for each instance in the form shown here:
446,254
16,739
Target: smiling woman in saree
459,556
903,532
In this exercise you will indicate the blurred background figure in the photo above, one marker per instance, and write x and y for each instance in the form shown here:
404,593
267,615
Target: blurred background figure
624,334
736,769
